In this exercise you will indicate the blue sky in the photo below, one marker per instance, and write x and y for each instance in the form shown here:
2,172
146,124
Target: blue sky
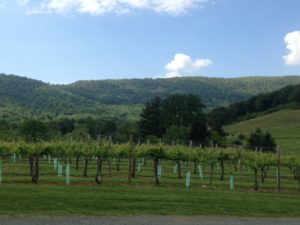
61,41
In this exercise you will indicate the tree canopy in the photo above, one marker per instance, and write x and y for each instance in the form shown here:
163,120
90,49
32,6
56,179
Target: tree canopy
33,131
177,113
260,140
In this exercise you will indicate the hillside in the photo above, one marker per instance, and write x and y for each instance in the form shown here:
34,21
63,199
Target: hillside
121,99
23,98
284,125
37,95
286,97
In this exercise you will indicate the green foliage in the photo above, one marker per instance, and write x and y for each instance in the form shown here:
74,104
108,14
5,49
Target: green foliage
179,117
260,140
156,152
153,139
182,110
66,125
151,122
217,139
178,153
34,131
105,150
259,160
167,152
177,134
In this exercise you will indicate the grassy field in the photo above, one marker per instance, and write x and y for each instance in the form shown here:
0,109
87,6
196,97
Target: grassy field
117,199
283,125
51,196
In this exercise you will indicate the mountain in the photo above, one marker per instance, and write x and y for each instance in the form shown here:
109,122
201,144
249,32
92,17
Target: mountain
213,91
22,98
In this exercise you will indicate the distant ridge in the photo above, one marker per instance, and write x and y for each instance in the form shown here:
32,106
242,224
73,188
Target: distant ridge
122,99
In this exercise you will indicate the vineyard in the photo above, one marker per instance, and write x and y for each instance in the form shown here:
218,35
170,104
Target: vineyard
97,162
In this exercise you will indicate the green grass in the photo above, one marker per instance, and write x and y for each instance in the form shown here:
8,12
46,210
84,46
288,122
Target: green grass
115,197
283,125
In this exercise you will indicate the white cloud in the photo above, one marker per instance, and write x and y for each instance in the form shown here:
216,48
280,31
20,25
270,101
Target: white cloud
177,7
98,7
292,41
182,64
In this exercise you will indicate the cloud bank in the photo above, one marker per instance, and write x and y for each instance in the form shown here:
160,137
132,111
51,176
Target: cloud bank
292,41
183,64
99,7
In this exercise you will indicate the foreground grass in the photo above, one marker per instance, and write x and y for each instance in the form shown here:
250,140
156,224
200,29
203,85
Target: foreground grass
284,125
115,197
24,199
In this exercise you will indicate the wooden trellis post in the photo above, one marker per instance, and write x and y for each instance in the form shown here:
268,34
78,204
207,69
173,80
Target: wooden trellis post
110,160
0,170
130,161
278,169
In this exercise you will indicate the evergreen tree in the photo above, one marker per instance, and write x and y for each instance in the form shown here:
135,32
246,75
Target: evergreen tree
151,122
260,140
180,111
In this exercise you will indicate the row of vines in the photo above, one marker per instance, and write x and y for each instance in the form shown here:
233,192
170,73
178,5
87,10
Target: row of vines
104,151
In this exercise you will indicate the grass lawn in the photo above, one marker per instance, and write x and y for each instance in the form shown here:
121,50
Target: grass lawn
17,199
115,197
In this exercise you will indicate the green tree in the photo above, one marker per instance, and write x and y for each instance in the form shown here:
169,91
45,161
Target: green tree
260,140
180,135
33,131
66,125
178,110
186,110
182,109
151,122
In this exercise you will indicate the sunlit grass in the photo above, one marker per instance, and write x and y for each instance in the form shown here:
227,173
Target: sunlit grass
51,196
283,125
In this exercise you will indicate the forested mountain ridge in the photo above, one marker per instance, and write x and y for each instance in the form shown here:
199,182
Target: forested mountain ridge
122,99
38,96
213,91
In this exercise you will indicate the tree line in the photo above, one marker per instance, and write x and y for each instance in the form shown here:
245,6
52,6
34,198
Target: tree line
177,119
